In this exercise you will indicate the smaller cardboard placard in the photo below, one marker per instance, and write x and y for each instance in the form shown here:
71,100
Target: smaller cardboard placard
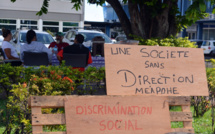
117,115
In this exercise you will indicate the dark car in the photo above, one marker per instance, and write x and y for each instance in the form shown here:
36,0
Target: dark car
198,42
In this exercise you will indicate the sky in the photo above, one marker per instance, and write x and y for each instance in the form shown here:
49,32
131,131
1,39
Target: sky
93,12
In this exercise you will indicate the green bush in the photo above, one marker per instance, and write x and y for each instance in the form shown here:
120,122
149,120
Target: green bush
20,83
169,42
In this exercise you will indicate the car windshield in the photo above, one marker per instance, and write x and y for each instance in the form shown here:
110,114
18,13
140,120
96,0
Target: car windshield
205,43
119,38
90,36
44,38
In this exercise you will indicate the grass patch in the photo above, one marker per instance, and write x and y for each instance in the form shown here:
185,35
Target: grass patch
54,128
203,124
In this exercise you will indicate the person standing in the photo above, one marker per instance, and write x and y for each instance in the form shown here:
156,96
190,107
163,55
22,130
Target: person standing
76,48
33,45
59,42
7,47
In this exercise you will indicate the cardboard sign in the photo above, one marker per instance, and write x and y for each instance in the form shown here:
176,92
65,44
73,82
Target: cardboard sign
154,70
117,115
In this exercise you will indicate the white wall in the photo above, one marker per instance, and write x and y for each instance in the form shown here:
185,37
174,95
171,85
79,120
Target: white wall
35,5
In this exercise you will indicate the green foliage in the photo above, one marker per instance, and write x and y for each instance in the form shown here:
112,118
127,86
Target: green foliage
44,8
203,124
20,83
169,42
48,31
200,104
211,85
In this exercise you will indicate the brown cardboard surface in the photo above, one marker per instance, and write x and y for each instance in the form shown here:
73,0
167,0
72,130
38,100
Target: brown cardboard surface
154,70
117,115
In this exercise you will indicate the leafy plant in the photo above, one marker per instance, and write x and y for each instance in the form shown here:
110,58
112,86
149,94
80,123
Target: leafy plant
169,42
20,83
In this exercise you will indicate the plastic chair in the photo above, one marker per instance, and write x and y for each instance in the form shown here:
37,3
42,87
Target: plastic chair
5,61
36,58
75,60
98,46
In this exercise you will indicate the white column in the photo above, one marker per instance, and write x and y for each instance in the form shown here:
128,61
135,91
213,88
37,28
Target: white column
81,24
40,25
18,24
60,26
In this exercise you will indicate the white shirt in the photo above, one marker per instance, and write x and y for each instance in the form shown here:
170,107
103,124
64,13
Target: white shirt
35,47
5,45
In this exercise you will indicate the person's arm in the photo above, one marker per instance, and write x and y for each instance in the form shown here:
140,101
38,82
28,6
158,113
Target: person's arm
89,59
7,52
51,45
60,55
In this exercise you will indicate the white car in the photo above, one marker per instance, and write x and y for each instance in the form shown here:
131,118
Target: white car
88,36
19,38
208,46
1,37
1,40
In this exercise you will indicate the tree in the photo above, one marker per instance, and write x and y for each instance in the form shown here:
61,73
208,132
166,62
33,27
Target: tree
149,18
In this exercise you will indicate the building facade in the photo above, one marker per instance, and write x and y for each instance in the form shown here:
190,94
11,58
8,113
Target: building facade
61,15
203,29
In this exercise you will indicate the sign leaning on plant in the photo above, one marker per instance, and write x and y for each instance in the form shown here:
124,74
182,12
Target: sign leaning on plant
117,114
153,70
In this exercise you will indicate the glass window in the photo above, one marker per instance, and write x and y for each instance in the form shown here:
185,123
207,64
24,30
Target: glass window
28,27
15,35
205,43
90,36
0,32
71,35
7,21
66,29
193,35
70,24
51,23
29,22
10,27
44,38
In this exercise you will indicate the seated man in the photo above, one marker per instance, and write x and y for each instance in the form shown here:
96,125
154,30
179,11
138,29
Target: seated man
76,48
59,42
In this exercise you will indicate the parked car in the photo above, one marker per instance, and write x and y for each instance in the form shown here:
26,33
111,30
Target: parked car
19,38
208,46
198,42
1,40
121,37
88,36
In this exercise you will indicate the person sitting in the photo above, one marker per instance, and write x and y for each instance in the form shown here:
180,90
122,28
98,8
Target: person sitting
76,48
59,42
8,48
33,45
